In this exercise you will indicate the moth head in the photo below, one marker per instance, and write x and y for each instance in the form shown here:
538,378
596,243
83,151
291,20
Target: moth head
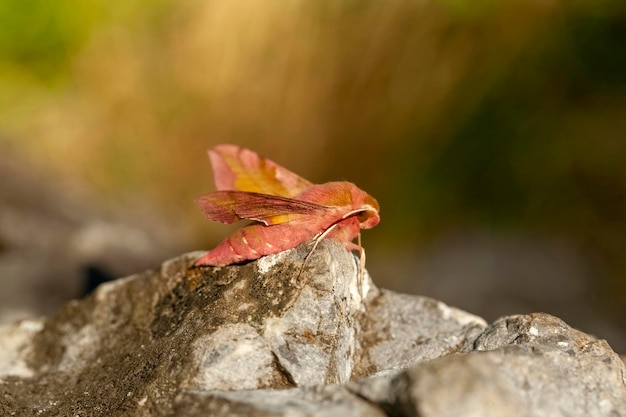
368,218
366,209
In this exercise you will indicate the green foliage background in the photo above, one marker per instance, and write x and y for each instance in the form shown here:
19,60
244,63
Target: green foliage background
504,116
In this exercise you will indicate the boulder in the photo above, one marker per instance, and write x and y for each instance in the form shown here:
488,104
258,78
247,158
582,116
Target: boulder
284,337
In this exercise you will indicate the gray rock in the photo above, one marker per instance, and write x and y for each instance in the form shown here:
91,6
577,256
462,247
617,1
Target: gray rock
402,330
274,338
531,365
318,401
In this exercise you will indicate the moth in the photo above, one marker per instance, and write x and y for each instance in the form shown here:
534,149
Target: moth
286,210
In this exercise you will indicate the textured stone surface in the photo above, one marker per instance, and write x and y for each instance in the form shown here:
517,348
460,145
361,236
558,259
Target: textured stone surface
402,330
320,401
271,338
531,365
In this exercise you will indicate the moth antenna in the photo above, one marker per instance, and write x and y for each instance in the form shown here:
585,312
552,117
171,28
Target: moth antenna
360,272
316,241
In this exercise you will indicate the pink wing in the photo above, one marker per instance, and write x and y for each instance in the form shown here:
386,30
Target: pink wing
236,168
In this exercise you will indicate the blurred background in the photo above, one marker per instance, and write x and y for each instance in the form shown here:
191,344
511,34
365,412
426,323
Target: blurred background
493,134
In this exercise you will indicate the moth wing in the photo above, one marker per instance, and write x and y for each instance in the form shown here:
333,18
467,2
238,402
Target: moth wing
231,206
241,169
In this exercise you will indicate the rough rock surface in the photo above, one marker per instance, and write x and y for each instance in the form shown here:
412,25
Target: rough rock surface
271,338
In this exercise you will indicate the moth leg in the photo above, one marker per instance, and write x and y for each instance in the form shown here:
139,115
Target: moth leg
361,276
356,247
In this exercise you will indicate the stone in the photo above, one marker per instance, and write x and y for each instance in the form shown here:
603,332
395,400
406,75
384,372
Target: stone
402,330
319,401
281,337
532,365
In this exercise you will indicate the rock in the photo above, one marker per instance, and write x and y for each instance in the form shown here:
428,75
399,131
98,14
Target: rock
532,365
401,330
274,338
319,401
